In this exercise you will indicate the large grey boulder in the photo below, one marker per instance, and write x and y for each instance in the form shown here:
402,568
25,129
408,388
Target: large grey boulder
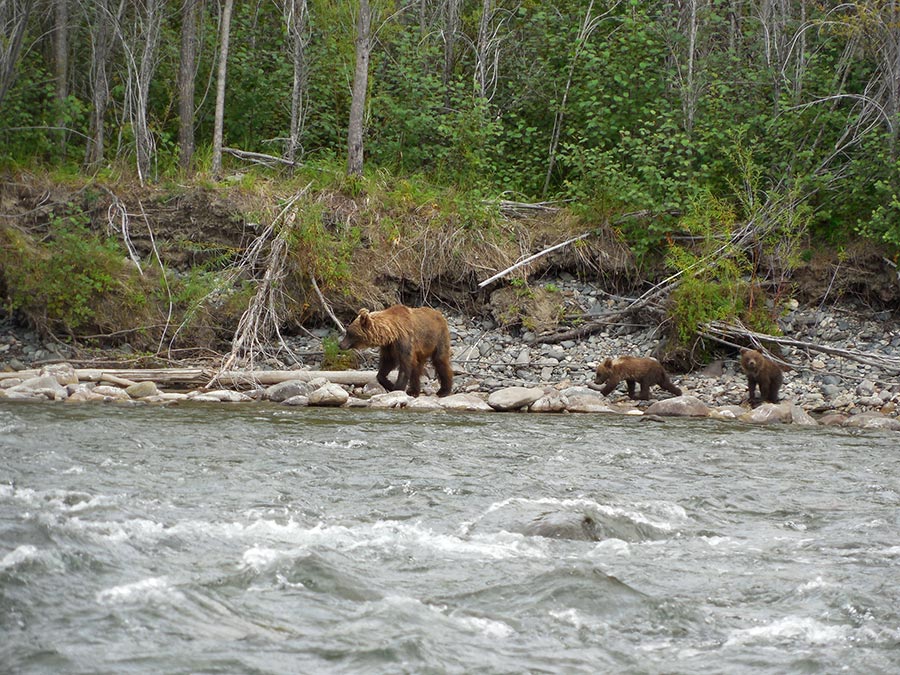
679,406
465,403
285,390
514,398
330,394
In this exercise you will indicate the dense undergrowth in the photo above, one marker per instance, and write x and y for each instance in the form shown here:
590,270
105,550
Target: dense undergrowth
171,269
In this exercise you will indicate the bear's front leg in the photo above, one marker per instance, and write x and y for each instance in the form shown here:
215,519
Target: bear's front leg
751,385
404,366
610,386
387,363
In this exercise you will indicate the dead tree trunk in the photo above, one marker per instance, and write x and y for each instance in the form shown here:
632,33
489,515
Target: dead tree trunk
61,65
360,85
187,71
13,24
296,16
102,23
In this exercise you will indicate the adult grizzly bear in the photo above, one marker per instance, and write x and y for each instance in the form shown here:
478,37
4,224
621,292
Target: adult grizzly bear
633,369
408,337
763,372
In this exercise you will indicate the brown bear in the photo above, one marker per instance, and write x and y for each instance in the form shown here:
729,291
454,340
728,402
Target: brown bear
763,372
408,337
632,369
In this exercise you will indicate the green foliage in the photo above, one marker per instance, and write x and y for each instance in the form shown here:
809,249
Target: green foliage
320,250
717,282
61,280
335,358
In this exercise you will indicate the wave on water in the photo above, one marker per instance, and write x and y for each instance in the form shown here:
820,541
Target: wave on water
154,590
581,519
789,630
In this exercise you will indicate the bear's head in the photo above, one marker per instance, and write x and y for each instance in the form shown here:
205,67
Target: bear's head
358,332
604,370
751,361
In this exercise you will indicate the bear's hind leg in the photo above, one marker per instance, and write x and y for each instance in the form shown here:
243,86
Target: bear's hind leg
414,388
441,362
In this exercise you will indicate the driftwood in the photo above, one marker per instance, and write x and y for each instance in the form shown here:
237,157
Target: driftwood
259,157
644,302
726,332
198,377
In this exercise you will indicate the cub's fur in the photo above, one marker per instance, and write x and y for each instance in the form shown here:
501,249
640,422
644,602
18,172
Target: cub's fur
633,369
408,337
763,372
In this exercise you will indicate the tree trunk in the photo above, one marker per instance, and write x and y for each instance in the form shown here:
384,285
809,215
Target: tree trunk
187,71
297,20
61,65
224,34
451,32
360,85
101,29
13,23
484,47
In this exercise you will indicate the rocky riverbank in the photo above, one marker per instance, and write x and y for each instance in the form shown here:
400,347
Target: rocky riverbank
844,371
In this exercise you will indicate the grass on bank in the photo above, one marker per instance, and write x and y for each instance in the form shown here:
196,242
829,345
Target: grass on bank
364,241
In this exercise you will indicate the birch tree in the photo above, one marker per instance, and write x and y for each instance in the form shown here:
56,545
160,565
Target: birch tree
139,33
296,17
61,64
360,86
101,17
224,35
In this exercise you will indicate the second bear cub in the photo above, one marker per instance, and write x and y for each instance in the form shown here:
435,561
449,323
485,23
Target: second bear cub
633,369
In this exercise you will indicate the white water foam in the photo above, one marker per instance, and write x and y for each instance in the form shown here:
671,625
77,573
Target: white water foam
789,629
22,554
155,590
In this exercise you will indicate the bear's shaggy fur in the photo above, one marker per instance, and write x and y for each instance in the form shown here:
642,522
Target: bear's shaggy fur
763,372
633,369
408,337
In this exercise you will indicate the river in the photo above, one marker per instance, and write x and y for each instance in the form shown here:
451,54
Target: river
265,539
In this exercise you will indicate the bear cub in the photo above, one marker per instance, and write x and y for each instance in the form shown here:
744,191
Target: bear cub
633,369
407,337
763,372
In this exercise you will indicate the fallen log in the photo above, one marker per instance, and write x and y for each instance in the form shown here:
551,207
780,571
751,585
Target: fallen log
203,377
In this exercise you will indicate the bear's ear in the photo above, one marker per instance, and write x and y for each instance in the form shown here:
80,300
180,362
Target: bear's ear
608,362
363,317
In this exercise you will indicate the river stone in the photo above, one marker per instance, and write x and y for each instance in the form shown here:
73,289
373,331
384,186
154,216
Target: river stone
465,403
514,398
41,386
726,412
833,419
63,372
873,420
285,390
800,417
553,401
679,406
587,403
10,382
768,413
109,392
391,399
300,401
228,396
142,389
424,403
330,394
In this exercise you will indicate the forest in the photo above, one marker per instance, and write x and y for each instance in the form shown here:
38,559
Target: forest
763,124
